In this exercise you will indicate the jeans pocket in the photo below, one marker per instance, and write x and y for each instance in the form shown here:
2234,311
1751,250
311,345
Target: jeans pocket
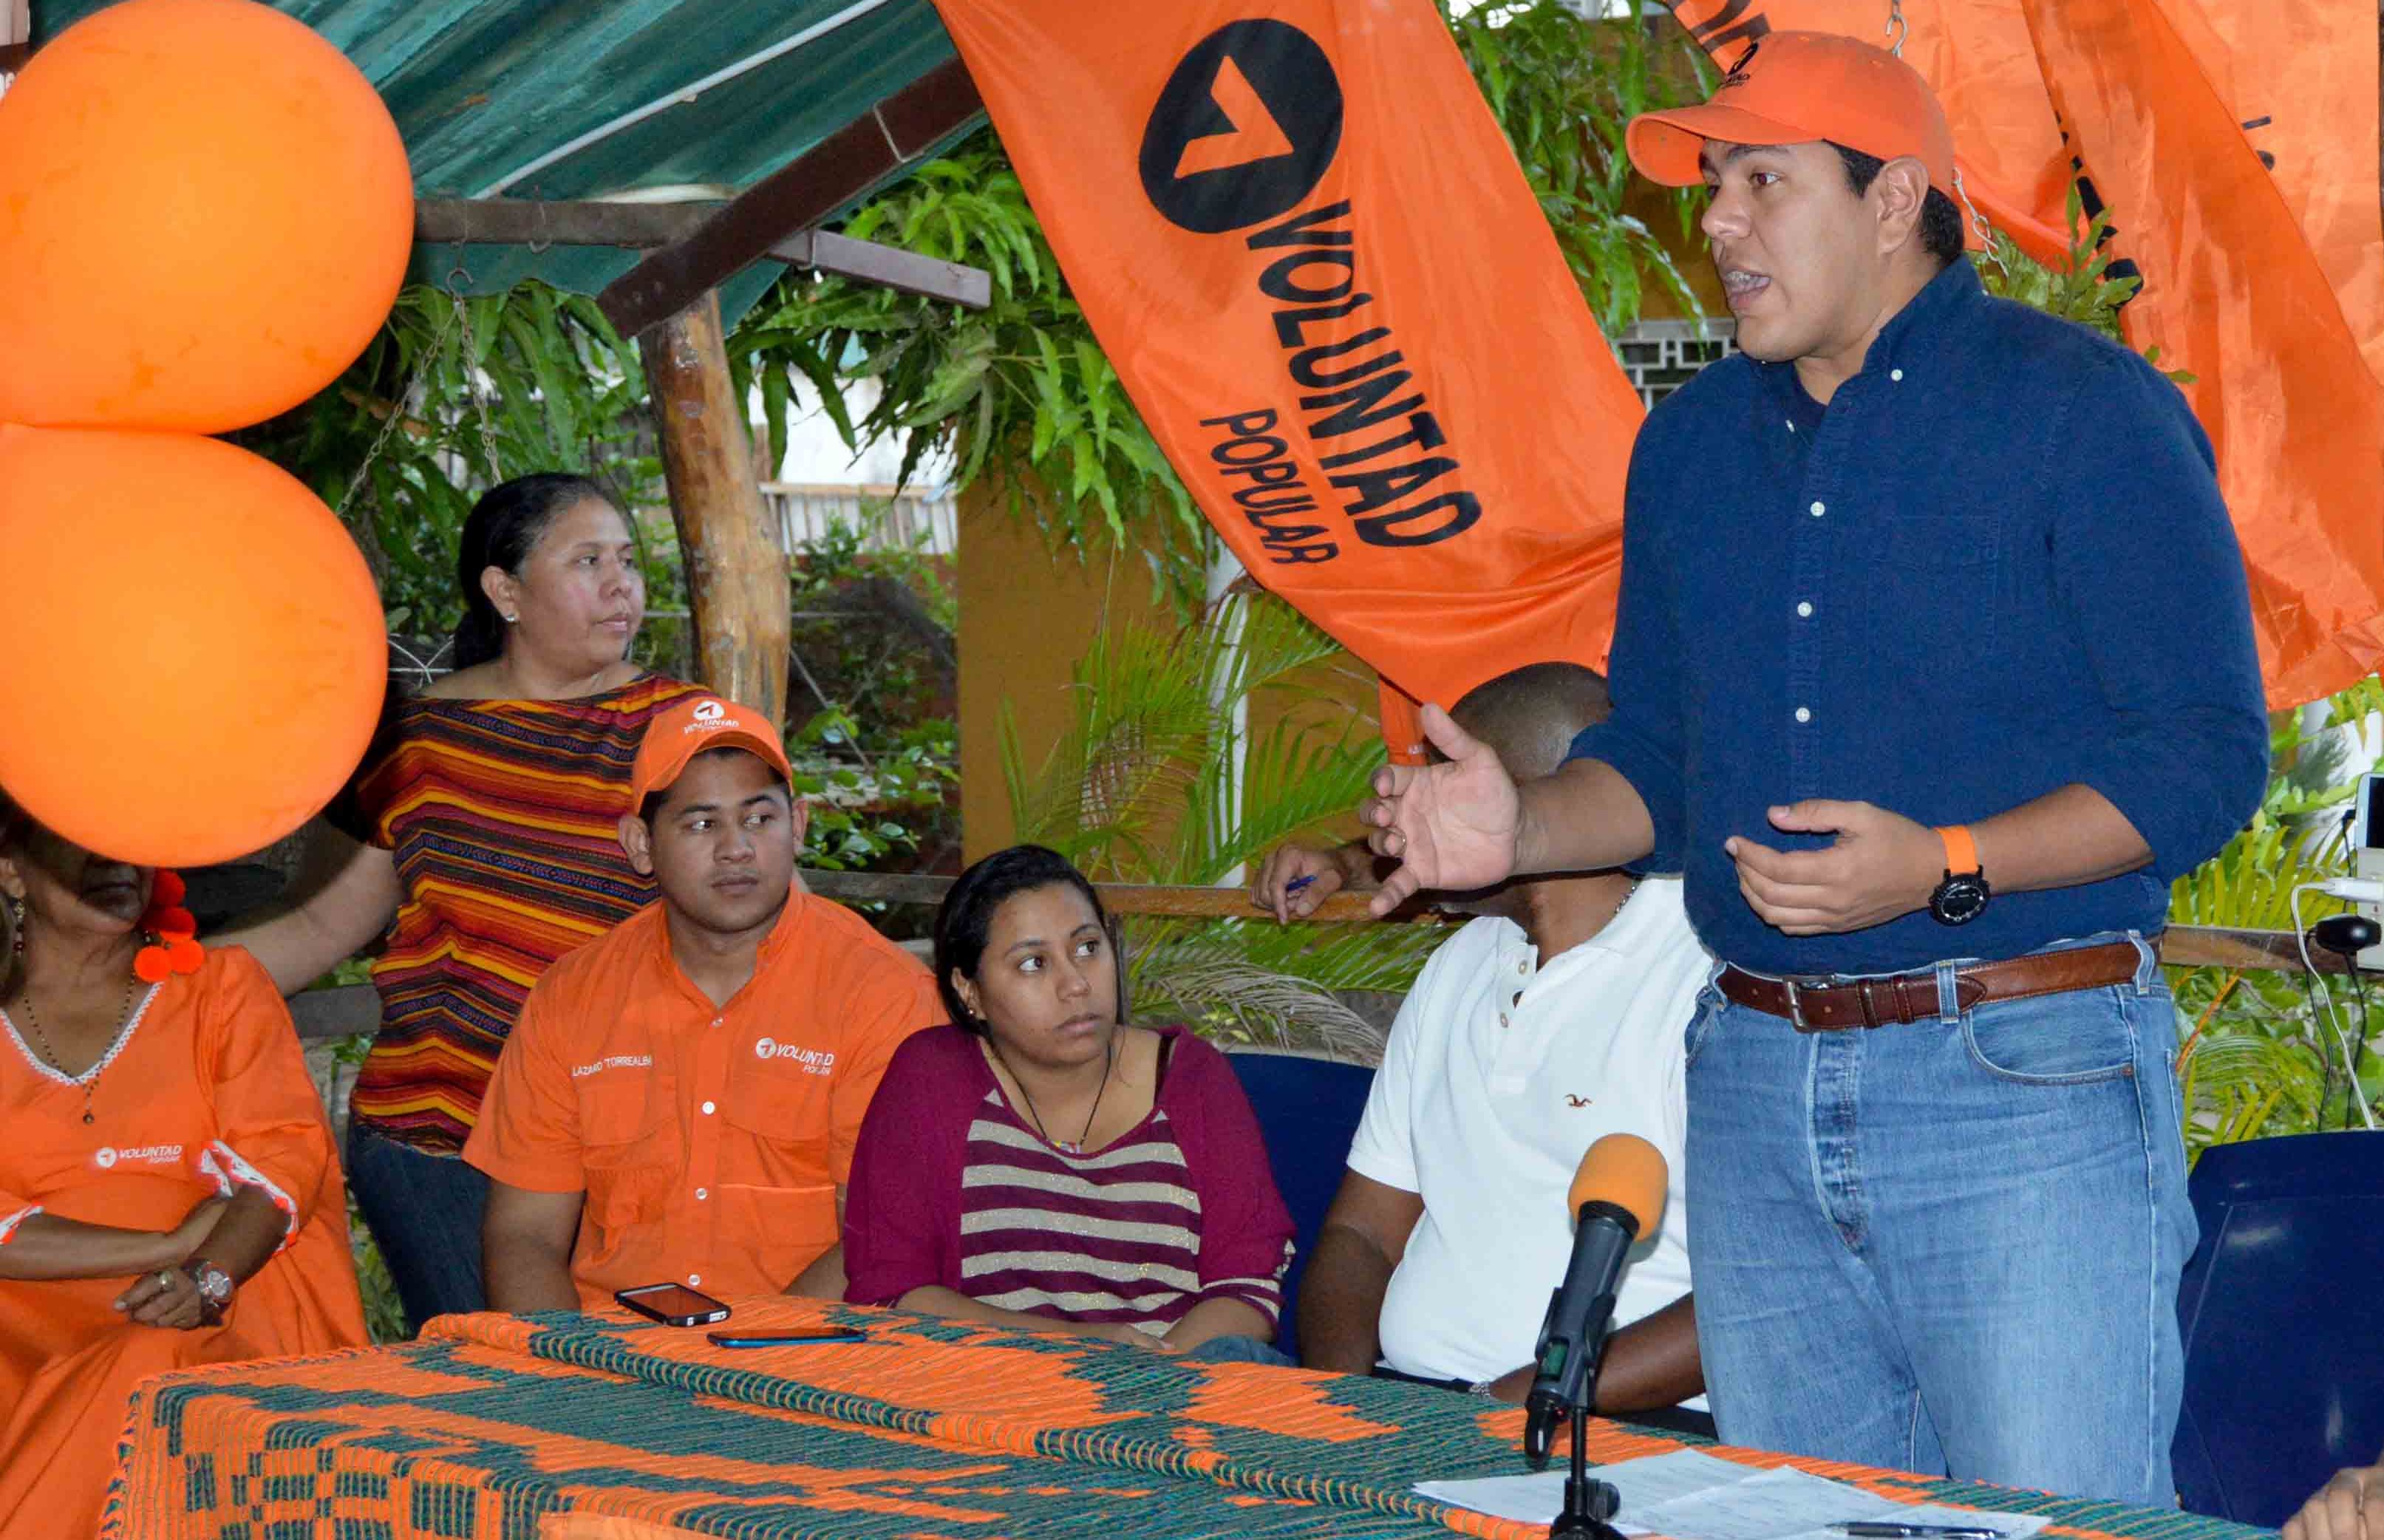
2075,1039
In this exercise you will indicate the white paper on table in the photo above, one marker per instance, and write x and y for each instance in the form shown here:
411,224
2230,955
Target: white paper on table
1539,1497
1530,1500
1691,1496
1652,1479
1766,1505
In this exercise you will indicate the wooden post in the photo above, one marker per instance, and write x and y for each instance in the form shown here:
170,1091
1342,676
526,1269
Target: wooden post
16,38
737,578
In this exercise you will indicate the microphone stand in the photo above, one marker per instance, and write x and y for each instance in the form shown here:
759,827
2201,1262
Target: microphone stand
1573,1346
1587,1504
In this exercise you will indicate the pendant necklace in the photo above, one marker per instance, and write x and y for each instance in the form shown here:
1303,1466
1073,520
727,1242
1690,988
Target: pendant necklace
1077,1147
89,1080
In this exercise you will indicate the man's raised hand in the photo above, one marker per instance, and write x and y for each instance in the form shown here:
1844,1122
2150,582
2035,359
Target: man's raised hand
1450,826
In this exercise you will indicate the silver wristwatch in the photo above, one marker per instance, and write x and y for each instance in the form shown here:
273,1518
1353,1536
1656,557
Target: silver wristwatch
215,1286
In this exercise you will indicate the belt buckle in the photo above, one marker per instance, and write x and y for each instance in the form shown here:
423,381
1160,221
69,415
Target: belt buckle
1795,1006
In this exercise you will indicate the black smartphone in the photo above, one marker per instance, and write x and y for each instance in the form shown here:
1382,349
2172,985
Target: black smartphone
673,1304
781,1339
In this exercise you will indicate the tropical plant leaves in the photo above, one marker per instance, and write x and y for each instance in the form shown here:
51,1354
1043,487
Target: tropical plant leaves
556,388
2259,1056
1562,91
1153,781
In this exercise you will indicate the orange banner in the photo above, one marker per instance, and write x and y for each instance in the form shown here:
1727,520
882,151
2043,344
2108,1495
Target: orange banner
1977,57
2234,295
1307,250
2298,77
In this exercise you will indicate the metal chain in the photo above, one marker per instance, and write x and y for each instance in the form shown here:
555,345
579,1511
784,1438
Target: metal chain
396,417
1986,232
1896,27
472,375
415,666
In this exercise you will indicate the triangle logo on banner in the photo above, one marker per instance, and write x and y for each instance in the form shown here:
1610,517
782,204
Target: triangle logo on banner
1254,136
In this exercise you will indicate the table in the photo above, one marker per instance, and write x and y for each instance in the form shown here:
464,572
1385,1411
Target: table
608,1427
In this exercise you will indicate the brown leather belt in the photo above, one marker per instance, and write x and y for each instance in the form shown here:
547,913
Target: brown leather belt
1834,1005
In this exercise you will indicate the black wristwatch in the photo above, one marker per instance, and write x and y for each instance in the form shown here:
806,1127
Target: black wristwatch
215,1286
1962,897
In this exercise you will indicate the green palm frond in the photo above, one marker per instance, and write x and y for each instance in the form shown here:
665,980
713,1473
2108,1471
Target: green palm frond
1382,958
1151,784
1374,959
1111,791
1294,777
1272,642
2250,883
1209,983
2258,1057
2248,1087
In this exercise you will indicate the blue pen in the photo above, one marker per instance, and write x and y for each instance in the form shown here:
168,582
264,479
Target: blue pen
1296,884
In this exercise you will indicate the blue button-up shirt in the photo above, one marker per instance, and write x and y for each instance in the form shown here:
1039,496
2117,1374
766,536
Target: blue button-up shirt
1997,564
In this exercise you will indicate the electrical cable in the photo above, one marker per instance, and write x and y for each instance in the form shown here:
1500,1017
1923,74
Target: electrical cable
2358,1093
2333,1015
2325,1060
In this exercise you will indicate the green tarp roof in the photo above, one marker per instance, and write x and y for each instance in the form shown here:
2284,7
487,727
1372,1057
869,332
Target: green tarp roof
563,99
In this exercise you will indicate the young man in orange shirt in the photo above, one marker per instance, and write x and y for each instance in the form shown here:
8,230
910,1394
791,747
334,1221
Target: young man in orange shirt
679,1099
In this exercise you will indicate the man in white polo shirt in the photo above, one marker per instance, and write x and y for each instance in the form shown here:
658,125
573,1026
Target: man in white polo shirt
1553,1018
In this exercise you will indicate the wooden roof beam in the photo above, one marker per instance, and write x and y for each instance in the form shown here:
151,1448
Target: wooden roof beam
637,227
797,195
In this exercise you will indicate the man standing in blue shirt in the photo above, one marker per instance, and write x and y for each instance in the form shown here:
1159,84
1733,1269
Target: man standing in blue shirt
1933,666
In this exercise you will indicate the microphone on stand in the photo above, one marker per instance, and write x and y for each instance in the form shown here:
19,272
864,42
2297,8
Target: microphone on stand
1616,1196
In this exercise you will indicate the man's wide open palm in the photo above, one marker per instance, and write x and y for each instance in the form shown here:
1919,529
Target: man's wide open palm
1450,826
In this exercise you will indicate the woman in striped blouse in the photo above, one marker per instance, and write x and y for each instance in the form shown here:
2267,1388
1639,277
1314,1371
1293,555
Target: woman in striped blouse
480,840
1042,1164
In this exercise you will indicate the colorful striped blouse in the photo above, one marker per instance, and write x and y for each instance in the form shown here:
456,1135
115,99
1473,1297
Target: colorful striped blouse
504,819
951,1185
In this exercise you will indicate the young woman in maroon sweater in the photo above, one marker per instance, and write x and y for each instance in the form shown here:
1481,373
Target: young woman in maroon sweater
1042,1164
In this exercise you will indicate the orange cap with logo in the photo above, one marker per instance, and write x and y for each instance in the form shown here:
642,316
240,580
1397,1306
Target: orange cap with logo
702,722
1793,88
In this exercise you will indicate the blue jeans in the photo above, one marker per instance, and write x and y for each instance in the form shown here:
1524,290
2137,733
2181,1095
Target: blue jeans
1242,1349
425,1211
1951,1247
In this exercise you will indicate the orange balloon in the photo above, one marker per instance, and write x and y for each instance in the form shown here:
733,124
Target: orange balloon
192,653
205,213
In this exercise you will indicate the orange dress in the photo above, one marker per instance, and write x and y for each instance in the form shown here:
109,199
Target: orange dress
205,1090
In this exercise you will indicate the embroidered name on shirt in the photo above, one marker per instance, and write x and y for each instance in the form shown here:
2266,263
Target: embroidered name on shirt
107,1158
813,1061
618,1061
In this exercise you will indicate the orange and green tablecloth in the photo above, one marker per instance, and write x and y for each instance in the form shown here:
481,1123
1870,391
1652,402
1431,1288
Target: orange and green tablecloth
570,1427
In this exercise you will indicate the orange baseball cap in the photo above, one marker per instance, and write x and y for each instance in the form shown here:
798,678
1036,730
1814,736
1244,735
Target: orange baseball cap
1793,88
693,725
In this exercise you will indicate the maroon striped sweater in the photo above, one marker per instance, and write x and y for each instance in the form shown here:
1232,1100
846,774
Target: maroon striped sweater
951,1185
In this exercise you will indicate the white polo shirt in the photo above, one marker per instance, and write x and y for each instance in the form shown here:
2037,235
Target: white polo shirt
1499,1073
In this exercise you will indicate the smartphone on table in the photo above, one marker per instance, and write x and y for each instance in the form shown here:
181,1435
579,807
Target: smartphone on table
786,1338
673,1304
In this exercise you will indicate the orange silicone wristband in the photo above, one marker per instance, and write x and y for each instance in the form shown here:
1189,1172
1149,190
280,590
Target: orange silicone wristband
1961,850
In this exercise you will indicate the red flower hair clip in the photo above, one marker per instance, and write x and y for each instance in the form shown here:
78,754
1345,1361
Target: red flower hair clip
174,933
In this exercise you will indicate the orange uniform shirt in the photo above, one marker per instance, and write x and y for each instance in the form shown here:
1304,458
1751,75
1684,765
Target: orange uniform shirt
204,1089
710,1140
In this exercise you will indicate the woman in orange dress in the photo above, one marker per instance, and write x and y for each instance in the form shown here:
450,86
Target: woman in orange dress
168,1194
